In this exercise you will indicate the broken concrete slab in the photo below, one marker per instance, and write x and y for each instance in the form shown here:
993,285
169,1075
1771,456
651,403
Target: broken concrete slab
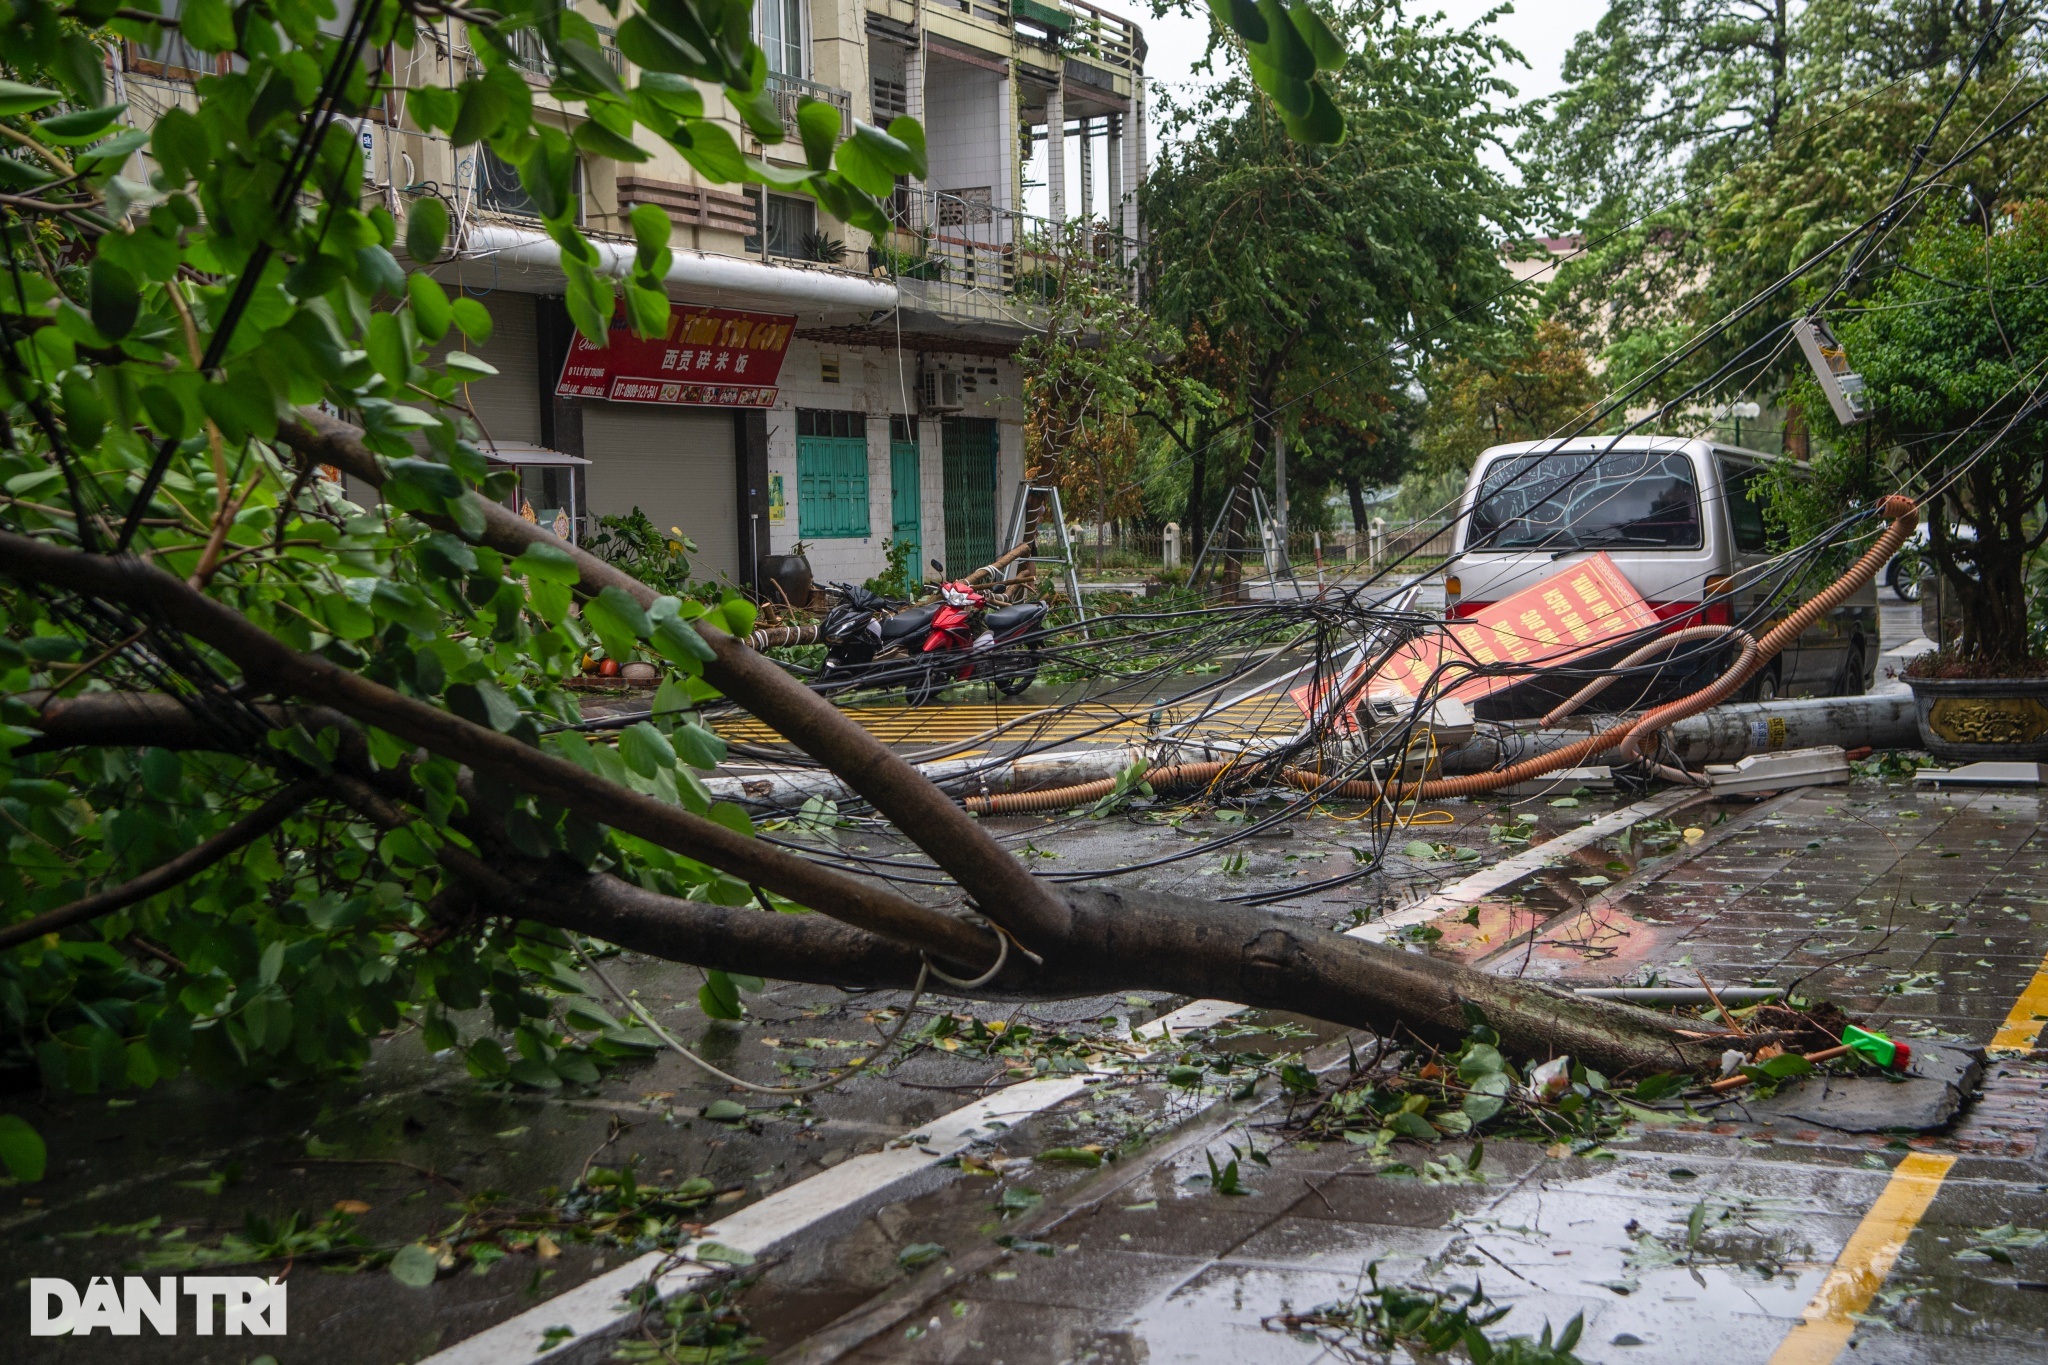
1941,1077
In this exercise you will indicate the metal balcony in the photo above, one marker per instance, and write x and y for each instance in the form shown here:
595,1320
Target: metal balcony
791,91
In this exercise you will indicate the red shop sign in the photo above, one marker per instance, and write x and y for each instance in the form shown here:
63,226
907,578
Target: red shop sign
710,357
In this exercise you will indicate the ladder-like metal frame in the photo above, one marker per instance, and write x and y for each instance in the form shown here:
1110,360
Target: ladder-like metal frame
1271,547
1020,513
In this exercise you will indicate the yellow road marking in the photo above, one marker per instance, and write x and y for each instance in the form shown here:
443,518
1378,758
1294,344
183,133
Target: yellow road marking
2023,1025
1861,1268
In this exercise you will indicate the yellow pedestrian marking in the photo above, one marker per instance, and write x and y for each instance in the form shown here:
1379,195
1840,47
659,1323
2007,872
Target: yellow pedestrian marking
1860,1270
2023,1025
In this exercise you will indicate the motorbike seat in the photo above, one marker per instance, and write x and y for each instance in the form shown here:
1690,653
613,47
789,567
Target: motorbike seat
1009,618
916,621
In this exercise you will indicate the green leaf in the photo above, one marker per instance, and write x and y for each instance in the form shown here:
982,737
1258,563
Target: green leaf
1070,1156
712,151
924,1253
431,312
546,563
598,140
426,229
697,746
1243,16
818,123
718,1253
910,133
653,48
16,98
208,25
620,622
719,998
1323,124
116,299
80,127
472,318
1322,41
725,1111
415,1265
671,92
677,641
484,106
1285,49
1412,1125
646,750
21,1149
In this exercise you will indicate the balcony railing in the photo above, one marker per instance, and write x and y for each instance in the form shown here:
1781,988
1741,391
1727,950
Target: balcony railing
969,258
529,53
791,91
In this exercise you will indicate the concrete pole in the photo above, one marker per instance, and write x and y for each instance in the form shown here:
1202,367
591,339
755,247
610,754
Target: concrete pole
1086,148
1056,154
1113,168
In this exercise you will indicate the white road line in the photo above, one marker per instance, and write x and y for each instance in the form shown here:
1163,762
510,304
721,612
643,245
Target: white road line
596,1313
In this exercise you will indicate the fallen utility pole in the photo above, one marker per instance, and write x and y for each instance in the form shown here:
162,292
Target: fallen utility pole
1726,734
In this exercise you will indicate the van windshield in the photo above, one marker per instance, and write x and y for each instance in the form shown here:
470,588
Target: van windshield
1590,499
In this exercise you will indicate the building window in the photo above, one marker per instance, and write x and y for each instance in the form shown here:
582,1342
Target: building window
782,37
831,474
791,223
498,189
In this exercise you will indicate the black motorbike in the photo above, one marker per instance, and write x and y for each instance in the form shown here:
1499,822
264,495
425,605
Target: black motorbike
869,638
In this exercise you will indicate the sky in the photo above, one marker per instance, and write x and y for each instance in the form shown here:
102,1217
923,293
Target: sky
1542,30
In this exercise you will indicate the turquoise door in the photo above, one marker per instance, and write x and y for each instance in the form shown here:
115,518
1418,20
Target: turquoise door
906,517
970,448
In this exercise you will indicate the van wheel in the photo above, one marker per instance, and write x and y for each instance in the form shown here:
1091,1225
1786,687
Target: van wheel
1851,683
1765,686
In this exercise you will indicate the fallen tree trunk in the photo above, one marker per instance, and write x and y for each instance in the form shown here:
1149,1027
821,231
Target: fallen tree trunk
1117,941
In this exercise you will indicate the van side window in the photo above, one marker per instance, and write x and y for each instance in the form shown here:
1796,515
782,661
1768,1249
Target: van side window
1745,508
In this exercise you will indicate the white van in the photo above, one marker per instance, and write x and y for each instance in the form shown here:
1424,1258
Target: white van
1682,520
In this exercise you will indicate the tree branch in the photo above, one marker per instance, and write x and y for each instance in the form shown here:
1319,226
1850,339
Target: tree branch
272,665
164,876
1002,888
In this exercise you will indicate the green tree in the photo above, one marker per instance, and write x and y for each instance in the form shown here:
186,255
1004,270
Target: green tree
1314,279
1952,348
1540,386
1757,136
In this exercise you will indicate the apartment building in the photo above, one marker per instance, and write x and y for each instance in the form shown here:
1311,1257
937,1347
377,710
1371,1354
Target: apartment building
818,386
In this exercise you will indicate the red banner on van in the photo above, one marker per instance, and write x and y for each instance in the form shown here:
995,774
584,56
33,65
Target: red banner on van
710,357
1571,612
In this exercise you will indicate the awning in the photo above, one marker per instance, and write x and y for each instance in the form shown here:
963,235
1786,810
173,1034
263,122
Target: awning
519,452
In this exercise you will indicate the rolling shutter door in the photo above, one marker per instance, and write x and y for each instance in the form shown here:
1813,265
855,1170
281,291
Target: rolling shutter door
507,403
675,464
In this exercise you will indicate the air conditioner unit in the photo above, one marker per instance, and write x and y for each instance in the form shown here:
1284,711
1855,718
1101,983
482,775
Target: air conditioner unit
942,391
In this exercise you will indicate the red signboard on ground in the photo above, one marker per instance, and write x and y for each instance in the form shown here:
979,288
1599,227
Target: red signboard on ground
710,357
1570,613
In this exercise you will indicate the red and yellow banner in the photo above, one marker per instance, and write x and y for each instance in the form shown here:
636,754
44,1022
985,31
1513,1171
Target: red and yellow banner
709,357
1574,611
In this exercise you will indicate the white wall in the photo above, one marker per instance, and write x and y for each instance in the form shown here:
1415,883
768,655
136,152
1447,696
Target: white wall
965,129
870,384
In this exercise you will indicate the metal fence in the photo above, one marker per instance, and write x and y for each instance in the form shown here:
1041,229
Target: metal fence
965,255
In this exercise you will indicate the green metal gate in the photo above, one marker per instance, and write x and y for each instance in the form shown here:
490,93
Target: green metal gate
906,515
970,448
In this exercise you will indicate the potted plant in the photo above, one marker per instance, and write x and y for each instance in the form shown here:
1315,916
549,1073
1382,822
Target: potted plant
1951,346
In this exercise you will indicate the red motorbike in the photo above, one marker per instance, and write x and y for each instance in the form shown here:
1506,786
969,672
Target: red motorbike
964,637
